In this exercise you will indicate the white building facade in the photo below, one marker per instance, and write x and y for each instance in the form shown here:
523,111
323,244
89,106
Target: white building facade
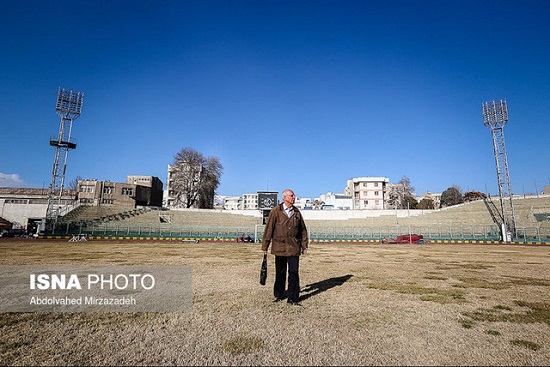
232,203
303,203
367,192
250,201
331,200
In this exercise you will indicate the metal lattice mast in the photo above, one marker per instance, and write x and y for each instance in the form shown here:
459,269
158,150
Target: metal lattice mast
68,107
495,116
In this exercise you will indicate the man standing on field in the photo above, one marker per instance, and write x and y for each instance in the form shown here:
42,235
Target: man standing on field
286,231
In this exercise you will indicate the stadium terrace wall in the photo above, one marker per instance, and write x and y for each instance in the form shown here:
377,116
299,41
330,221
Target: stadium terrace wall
24,205
343,214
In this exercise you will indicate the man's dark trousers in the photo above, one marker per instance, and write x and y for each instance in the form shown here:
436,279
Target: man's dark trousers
281,263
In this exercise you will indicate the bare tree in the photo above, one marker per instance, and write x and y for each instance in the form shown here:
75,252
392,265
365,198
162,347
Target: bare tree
73,185
406,182
393,196
211,180
195,179
474,195
400,194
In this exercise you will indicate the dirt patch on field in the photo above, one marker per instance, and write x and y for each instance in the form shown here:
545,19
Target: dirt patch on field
361,305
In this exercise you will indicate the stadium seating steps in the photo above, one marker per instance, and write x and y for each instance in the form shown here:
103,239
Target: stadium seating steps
468,214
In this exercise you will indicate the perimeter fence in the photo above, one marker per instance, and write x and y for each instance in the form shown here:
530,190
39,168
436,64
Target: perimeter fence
316,233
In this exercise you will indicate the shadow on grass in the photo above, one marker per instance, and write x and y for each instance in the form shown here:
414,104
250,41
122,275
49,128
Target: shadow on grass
322,286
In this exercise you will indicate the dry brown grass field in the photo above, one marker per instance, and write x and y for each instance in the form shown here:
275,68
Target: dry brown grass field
361,305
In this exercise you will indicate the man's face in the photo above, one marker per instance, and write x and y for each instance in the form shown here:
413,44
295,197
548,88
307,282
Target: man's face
288,198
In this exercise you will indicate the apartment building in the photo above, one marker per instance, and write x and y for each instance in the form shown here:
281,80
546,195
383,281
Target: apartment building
250,202
367,192
146,191
232,203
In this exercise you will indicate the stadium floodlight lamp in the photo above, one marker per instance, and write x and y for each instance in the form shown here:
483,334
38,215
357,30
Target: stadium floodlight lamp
69,103
495,114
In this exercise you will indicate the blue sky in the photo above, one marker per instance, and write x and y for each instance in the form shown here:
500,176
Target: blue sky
288,94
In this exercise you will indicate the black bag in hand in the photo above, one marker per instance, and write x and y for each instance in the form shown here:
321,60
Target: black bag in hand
263,271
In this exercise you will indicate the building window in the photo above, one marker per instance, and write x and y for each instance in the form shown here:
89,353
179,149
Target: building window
107,201
86,188
376,193
365,202
376,184
108,190
17,201
127,191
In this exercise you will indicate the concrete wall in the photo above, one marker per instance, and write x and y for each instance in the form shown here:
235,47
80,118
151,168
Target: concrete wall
18,205
342,214
18,213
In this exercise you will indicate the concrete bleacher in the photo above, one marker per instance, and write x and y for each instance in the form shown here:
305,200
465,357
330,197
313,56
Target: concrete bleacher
90,214
472,213
193,217
468,214
122,216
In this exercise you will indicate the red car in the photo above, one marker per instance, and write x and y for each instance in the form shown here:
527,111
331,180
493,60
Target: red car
407,238
410,238
245,239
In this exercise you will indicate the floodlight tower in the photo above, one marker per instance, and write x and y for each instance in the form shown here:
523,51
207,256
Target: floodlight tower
495,116
68,107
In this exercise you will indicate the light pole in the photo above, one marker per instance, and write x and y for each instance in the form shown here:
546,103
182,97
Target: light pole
409,215
68,107
3,200
495,116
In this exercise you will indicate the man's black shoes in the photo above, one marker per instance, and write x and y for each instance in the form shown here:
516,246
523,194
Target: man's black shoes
291,303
